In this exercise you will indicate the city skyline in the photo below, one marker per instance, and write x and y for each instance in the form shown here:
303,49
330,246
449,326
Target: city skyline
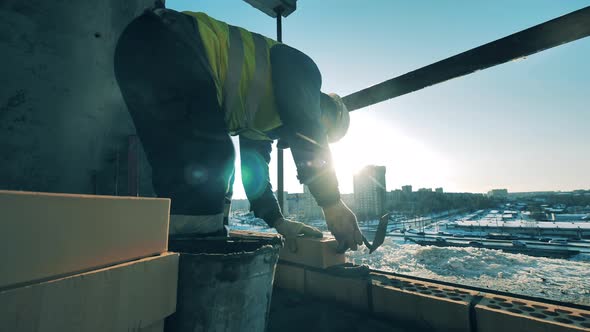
520,125
414,188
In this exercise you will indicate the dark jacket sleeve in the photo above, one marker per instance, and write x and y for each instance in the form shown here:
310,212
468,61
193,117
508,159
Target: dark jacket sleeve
255,157
297,83
315,169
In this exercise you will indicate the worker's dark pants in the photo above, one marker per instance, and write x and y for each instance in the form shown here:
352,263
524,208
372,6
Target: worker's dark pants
171,96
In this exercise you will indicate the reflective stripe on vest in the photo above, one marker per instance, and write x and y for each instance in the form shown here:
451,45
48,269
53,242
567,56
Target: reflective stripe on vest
256,88
259,82
239,61
231,86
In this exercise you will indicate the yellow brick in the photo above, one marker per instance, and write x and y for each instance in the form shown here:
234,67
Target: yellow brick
349,291
290,277
427,305
502,313
46,235
320,253
252,234
125,297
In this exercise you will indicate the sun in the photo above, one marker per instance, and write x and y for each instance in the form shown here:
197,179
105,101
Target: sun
370,141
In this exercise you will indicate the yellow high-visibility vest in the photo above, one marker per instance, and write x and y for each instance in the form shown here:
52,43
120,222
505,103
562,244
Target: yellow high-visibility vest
240,65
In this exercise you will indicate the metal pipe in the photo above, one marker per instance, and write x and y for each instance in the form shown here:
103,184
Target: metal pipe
279,25
132,165
558,31
280,160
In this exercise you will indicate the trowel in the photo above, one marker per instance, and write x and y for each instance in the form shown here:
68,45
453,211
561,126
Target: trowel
379,235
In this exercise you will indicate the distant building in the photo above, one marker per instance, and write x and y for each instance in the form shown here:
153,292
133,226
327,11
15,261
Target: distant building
391,198
498,193
303,206
348,199
285,200
295,206
425,190
369,192
311,209
439,190
240,205
407,189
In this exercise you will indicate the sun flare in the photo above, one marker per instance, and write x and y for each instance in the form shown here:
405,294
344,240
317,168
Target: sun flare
372,142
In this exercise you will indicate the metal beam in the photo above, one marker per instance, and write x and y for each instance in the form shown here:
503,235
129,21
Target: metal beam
561,30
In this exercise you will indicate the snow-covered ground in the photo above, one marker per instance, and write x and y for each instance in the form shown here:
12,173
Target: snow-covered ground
487,222
557,279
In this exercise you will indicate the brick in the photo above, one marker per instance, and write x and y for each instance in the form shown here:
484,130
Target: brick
426,305
502,313
48,235
320,253
124,297
349,291
290,277
253,234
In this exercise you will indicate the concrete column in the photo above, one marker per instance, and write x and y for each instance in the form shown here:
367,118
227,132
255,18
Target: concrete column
62,117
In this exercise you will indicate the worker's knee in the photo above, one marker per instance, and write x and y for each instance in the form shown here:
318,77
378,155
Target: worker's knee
213,163
197,179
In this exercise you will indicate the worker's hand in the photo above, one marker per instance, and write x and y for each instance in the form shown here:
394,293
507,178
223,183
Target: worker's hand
292,229
342,223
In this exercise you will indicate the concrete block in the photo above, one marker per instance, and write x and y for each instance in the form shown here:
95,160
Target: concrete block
126,297
47,235
290,277
501,313
426,305
349,291
155,327
320,253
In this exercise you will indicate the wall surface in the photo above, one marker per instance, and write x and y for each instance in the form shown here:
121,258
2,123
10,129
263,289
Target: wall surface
63,124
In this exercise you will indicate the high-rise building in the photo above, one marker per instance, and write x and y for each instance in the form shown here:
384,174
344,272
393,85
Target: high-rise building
407,189
369,192
439,190
348,199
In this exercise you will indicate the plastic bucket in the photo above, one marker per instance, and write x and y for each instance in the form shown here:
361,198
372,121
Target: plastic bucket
224,284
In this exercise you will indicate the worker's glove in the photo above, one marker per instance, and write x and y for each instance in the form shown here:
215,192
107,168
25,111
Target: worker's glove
292,229
343,225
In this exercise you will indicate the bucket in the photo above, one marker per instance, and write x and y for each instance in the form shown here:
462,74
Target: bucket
224,283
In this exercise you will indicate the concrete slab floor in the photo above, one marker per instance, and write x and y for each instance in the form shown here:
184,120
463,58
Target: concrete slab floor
291,312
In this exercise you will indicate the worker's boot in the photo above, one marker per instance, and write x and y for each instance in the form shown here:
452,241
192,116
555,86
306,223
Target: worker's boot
197,226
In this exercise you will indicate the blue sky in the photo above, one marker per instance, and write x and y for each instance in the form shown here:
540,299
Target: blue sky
524,125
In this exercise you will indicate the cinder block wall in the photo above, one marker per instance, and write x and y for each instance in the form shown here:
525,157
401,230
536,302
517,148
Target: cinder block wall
62,118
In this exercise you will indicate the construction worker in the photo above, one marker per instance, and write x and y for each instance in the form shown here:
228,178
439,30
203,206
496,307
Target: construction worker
190,81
